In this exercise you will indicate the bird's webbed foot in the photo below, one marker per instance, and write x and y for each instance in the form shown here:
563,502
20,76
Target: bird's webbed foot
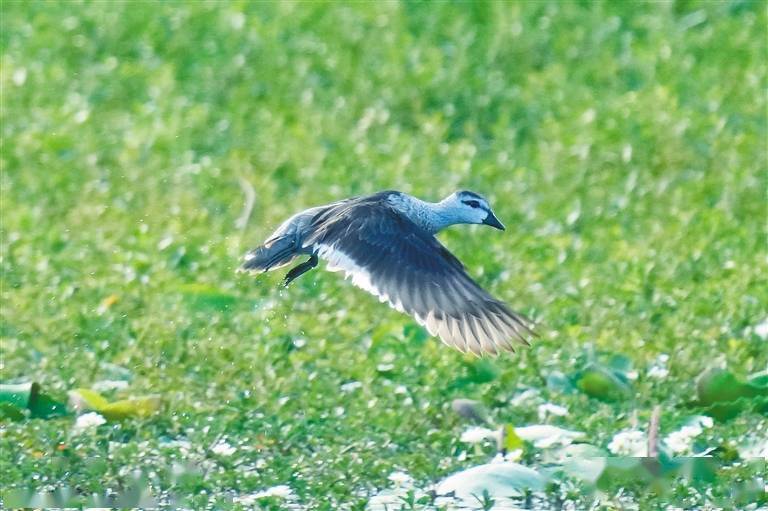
301,269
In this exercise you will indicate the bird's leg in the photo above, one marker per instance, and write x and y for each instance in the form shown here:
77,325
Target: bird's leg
300,270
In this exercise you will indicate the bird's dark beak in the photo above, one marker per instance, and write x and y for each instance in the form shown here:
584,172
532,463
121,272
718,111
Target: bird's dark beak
493,221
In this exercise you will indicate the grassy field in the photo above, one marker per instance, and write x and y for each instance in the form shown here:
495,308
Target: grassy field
623,145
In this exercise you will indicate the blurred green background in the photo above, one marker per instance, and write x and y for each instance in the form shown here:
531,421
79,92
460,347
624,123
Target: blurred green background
623,144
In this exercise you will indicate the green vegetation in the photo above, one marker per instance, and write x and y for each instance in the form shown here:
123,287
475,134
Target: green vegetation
623,144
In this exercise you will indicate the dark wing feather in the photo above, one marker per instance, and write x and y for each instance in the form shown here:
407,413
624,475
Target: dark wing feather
388,255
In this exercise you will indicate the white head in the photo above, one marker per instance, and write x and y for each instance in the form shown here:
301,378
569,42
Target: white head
465,207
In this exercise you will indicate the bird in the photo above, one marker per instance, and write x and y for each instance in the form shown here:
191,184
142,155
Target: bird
385,243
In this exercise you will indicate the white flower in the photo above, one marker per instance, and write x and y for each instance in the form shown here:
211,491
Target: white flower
19,77
392,498
629,443
237,20
659,368
81,116
703,420
658,372
761,330
515,455
223,449
543,436
400,479
182,445
245,500
754,450
681,441
349,387
551,409
281,491
88,421
476,434
526,398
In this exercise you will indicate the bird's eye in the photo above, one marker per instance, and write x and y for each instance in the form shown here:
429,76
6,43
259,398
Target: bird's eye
472,203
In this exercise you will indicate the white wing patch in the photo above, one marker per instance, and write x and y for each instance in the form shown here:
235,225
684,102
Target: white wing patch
360,277
478,332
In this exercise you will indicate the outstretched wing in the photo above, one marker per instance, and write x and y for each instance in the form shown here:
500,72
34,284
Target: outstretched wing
388,255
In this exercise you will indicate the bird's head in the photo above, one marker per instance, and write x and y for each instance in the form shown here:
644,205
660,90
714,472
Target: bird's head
470,208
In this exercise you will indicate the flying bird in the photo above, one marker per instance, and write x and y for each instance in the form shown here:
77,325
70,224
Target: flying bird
386,244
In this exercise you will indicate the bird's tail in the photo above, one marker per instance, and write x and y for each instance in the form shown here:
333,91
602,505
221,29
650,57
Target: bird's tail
273,254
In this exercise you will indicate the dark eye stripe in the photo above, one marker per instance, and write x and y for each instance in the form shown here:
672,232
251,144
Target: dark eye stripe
472,203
